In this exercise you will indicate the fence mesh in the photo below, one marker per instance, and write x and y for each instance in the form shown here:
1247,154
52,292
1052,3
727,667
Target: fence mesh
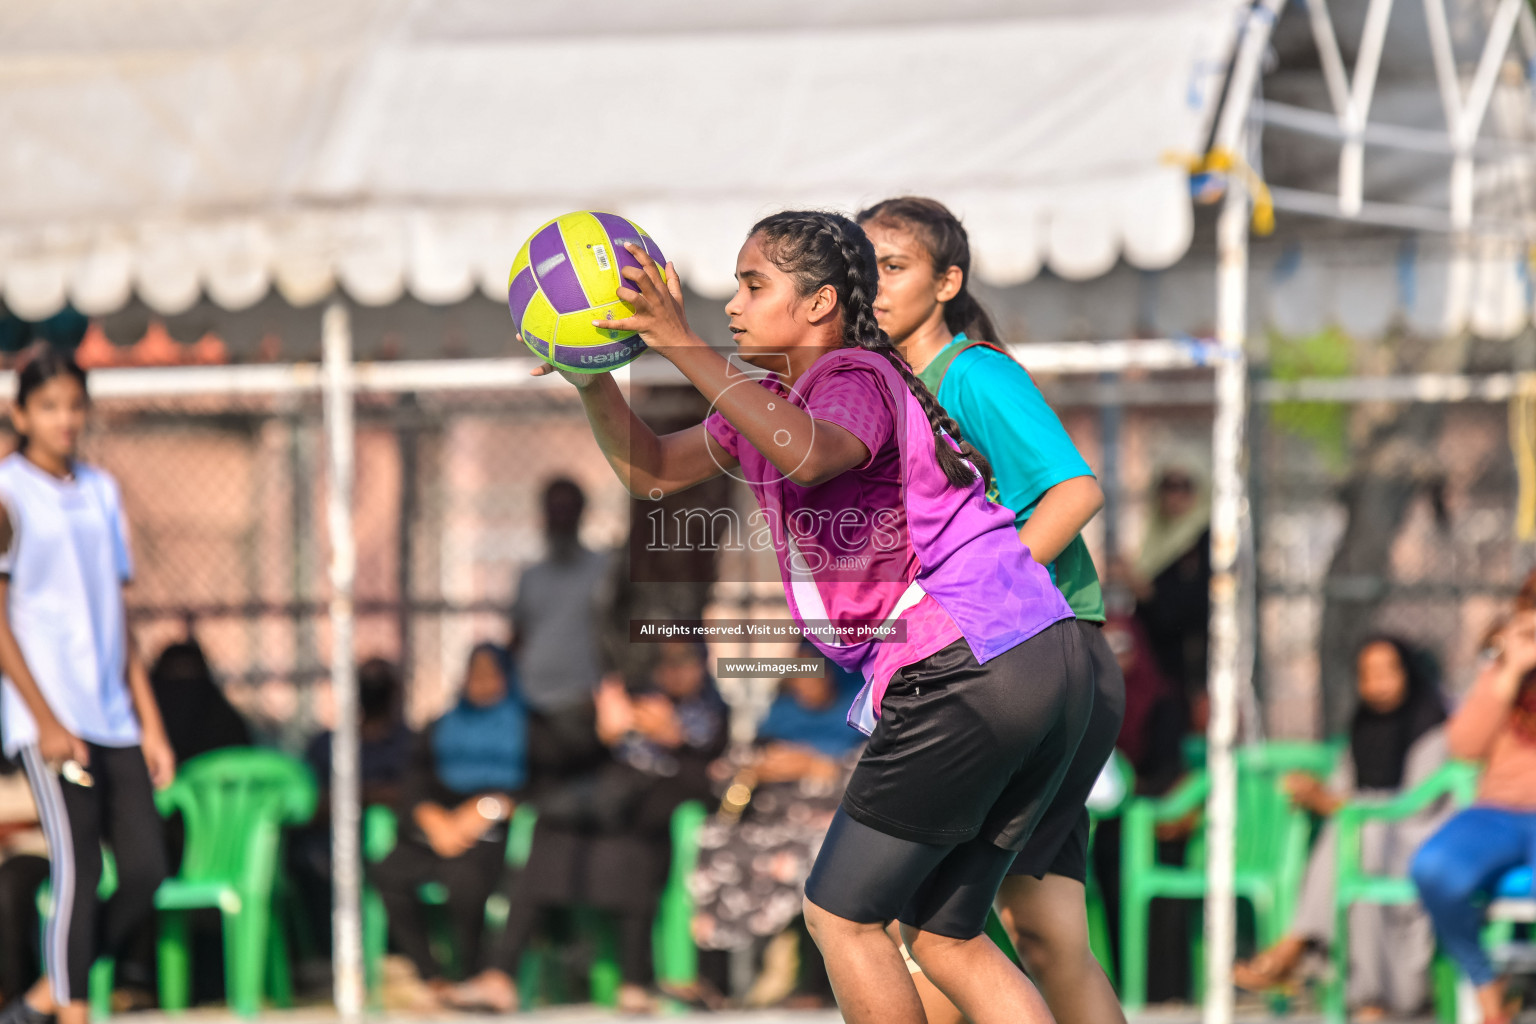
1366,516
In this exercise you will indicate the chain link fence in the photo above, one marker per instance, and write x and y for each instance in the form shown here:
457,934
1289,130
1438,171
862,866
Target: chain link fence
1366,516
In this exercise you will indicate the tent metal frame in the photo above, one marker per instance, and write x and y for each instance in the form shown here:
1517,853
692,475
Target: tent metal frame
1350,95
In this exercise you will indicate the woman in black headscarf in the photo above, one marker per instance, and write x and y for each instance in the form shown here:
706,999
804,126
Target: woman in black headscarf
1396,740
198,717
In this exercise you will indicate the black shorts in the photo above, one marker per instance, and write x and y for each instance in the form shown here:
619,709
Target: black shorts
964,750
870,877
1059,844
961,766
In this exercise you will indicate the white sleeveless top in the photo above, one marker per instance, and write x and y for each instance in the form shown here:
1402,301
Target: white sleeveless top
67,565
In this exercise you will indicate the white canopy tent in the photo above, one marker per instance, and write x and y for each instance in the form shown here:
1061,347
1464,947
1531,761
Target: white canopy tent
172,151
387,146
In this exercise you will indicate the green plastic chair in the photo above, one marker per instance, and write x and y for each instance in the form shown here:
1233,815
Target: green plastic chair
676,956
1271,852
235,803
1456,780
1093,892
379,836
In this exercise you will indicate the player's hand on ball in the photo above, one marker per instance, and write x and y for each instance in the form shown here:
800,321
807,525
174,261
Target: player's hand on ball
581,380
658,303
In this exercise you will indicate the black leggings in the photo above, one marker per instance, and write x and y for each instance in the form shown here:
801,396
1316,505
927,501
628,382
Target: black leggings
118,810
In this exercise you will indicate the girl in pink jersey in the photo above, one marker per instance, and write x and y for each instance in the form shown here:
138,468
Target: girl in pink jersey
878,515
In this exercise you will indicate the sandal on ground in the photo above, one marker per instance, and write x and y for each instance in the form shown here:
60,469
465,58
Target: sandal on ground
488,995
635,1001
697,995
19,1011
1509,1007
1264,972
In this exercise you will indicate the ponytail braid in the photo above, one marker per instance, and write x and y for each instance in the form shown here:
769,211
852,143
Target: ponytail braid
820,249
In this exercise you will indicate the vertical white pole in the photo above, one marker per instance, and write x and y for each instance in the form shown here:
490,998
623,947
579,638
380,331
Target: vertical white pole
1367,65
346,854
1227,498
1246,59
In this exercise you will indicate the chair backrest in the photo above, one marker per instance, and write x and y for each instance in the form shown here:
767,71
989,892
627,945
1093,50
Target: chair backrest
380,832
1272,833
234,803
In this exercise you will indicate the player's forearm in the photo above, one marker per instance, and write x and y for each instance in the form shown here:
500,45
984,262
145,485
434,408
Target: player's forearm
782,431
630,446
1060,515
143,693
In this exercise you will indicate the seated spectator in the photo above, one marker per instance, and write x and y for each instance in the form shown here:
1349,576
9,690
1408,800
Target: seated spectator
1171,576
1152,734
604,833
457,795
1455,869
198,717
755,854
385,747
23,870
21,876
385,741
1156,716
1396,741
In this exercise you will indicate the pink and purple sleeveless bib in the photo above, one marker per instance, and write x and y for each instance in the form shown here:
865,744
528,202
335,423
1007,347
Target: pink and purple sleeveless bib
891,540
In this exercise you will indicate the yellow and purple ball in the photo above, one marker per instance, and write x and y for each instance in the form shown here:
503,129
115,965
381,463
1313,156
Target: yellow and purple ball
565,277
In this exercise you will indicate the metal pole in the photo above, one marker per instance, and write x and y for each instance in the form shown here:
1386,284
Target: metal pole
346,854
1249,51
1227,457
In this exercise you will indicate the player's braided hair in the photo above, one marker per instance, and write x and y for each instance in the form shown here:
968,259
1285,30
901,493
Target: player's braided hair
819,249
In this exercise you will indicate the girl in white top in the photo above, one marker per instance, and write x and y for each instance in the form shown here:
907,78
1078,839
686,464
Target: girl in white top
76,706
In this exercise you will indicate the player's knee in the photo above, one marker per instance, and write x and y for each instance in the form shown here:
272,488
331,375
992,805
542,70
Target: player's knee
826,926
1040,955
1048,948
1440,875
815,917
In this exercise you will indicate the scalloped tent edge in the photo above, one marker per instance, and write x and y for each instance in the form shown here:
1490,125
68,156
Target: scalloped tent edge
391,149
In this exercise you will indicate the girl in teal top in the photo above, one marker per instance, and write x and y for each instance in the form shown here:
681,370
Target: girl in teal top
947,338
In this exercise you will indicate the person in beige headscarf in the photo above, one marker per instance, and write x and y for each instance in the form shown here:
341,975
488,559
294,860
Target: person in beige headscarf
1171,576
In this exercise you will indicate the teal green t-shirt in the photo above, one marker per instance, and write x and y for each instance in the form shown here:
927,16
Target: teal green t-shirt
1003,414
